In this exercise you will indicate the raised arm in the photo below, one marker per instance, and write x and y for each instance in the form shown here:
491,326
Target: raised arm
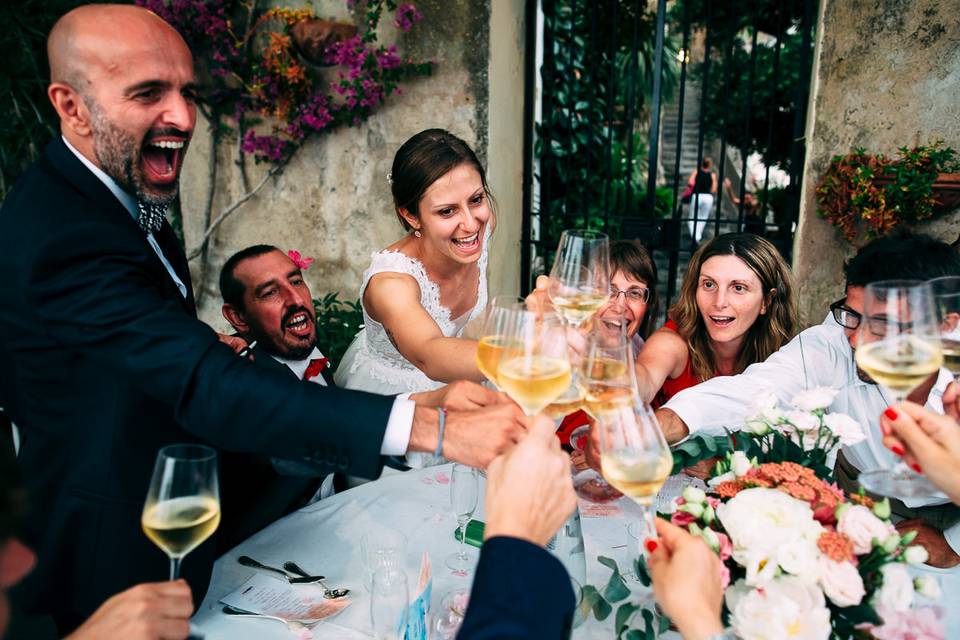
393,299
663,356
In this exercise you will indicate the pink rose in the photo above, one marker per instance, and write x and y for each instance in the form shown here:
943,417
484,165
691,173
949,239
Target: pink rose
922,623
862,527
726,547
841,582
681,518
724,577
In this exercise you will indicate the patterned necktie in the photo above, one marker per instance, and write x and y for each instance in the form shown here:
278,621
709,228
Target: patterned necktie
316,366
151,216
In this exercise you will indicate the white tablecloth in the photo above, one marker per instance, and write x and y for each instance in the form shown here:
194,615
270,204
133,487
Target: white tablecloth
325,538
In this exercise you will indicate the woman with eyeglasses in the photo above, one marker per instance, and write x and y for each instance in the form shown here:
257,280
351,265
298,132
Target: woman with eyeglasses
736,307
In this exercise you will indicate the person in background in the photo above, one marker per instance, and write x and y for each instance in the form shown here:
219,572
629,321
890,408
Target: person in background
737,305
704,183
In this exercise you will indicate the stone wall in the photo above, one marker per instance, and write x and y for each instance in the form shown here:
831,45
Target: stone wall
886,74
333,202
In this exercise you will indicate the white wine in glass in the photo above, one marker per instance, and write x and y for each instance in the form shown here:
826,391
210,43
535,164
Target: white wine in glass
898,346
493,334
534,368
946,292
182,508
580,277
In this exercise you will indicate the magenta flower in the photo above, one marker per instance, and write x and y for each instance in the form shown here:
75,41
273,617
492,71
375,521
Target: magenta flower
302,263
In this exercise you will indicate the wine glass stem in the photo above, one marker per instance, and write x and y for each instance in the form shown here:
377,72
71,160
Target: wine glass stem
175,568
648,530
463,540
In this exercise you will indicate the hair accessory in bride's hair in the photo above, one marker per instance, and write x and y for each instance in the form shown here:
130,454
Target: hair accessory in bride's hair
390,179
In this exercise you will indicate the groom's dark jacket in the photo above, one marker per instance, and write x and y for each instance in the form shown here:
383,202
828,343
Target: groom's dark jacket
103,362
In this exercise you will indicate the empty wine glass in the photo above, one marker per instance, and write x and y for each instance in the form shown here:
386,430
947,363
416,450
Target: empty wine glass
389,604
898,346
464,493
182,508
580,278
534,368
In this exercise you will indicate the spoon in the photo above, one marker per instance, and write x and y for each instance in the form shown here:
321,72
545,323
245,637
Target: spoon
293,567
247,561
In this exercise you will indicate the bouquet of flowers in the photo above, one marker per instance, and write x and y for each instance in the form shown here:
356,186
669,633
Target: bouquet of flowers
801,559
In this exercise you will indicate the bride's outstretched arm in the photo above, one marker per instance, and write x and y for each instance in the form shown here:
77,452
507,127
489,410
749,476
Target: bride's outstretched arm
393,300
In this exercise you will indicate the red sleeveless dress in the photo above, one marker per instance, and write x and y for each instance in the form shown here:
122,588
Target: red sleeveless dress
672,387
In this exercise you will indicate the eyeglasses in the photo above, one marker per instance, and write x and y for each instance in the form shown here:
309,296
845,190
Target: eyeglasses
844,315
630,295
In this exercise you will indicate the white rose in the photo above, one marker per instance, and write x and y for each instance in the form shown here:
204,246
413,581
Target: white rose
927,586
740,463
803,422
841,582
799,558
813,399
845,428
915,554
758,518
760,563
896,592
720,479
785,608
862,527
757,425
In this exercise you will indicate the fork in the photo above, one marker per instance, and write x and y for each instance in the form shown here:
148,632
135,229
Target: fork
293,567
292,625
247,561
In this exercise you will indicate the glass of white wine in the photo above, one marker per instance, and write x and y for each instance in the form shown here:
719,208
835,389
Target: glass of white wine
534,368
634,455
898,346
580,278
946,291
493,334
182,508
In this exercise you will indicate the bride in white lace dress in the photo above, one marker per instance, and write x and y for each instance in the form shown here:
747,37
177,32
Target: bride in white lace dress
420,292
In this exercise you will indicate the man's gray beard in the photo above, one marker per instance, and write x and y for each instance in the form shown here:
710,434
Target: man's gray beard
118,153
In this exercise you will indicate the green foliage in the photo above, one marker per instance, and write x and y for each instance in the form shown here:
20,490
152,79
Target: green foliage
29,121
699,447
617,591
875,194
591,140
338,321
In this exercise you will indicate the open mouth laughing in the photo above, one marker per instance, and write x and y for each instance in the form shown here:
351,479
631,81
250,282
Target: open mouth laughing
467,244
162,157
722,321
299,323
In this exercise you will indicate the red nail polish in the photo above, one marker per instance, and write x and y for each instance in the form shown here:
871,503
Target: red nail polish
890,413
916,467
897,450
651,545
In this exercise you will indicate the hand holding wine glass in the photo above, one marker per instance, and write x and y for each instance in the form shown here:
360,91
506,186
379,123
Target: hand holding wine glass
182,508
580,278
898,346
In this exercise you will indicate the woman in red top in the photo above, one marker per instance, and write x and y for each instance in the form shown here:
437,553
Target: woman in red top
736,307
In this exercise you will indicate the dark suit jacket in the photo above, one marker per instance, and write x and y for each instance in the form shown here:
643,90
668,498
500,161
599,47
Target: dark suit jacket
104,362
520,591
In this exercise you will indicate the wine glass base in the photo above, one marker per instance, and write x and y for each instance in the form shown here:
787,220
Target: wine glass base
460,564
899,481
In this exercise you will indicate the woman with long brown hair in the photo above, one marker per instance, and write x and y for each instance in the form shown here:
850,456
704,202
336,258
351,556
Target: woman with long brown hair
736,307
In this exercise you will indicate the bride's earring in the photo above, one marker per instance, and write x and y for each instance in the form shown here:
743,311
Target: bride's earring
416,232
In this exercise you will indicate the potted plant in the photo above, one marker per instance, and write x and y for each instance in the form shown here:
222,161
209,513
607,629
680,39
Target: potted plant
871,194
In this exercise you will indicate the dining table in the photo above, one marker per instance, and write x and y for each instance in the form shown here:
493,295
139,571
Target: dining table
324,537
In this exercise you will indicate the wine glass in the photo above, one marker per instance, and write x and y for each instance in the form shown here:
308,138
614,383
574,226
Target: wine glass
493,334
898,346
534,367
182,508
389,604
634,455
580,278
464,491
946,292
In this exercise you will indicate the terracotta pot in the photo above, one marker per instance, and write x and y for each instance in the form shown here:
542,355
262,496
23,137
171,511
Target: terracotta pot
313,36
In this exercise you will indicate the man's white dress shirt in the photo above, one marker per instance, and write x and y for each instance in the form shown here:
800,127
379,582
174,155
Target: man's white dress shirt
818,357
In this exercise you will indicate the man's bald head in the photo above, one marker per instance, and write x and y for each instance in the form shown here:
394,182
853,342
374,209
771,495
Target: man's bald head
84,37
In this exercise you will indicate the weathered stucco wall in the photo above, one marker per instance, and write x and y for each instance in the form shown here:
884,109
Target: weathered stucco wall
886,74
333,202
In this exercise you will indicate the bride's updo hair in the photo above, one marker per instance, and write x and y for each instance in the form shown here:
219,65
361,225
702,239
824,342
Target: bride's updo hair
424,159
